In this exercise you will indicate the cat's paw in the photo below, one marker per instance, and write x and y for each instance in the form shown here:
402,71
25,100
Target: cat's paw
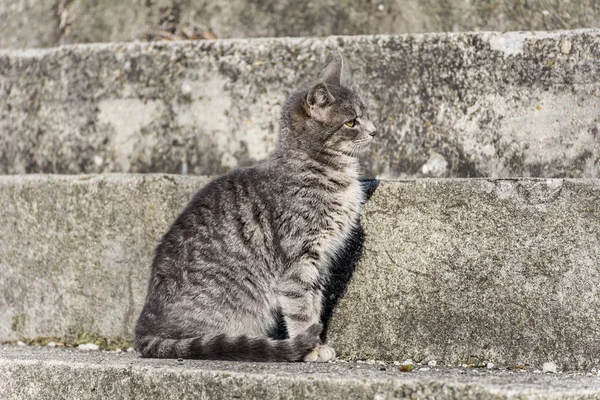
321,353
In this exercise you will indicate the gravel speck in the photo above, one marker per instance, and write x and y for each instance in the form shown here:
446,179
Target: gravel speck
549,367
432,363
88,346
19,343
490,365
51,344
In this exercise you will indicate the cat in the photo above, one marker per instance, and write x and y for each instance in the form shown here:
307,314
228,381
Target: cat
251,269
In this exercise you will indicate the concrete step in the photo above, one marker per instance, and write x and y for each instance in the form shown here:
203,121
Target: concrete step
46,23
36,373
446,105
463,271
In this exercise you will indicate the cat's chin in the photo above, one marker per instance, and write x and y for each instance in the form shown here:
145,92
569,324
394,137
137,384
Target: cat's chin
363,148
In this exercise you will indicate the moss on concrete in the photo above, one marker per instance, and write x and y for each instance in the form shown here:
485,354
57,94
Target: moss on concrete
74,340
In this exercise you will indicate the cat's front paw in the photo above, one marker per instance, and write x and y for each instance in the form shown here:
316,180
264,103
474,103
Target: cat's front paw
321,353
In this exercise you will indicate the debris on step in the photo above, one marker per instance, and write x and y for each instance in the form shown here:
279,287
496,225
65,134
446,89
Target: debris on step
88,346
549,367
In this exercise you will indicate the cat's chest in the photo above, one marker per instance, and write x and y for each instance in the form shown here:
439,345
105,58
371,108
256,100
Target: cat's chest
345,206
341,218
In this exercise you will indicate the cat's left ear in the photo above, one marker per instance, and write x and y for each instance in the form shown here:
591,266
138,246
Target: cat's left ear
332,74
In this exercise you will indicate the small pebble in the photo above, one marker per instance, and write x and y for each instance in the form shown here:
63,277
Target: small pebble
464,365
490,365
432,363
598,373
88,346
407,362
382,368
186,89
424,369
51,344
549,367
130,349
381,7
565,47
396,362
19,343
406,368
537,371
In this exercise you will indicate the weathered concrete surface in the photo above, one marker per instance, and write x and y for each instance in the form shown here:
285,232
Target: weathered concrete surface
475,270
456,270
85,21
28,23
34,373
449,105
75,252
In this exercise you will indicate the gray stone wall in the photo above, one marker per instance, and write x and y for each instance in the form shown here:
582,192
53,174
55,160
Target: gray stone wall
446,105
26,23
455,270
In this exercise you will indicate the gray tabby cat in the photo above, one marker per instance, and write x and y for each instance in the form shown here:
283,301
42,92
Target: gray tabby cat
252,251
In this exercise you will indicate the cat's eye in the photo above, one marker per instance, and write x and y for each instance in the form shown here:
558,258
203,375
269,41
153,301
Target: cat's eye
351,124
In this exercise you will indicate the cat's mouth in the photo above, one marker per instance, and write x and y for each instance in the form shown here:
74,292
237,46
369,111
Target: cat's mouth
362,143
357,147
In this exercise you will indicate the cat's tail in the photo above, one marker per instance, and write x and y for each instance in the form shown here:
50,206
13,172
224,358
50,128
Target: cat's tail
236,348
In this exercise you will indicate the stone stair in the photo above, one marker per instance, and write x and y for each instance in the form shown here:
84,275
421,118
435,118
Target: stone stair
458,270
447,105
102,145
41,373
46,23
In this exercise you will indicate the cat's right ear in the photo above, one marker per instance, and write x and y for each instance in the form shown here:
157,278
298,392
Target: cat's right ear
318,97
332,74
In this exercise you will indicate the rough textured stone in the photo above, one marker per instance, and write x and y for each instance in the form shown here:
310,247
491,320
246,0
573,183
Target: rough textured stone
29,23
34,373
86,21
475,270
446,105
75,252
455,270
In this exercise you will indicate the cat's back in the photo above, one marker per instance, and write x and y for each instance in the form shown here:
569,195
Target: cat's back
229,213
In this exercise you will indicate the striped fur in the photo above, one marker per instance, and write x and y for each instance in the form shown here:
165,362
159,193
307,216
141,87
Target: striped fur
241,274
238,348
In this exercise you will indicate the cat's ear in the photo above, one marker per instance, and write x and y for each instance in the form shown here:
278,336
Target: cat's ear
332,74
319,97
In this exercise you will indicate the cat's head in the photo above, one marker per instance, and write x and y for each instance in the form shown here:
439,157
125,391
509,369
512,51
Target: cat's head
326,118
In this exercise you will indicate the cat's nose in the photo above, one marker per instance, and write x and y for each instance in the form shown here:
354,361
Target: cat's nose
371,129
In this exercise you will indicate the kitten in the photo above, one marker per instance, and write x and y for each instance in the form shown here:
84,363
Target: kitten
241,274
